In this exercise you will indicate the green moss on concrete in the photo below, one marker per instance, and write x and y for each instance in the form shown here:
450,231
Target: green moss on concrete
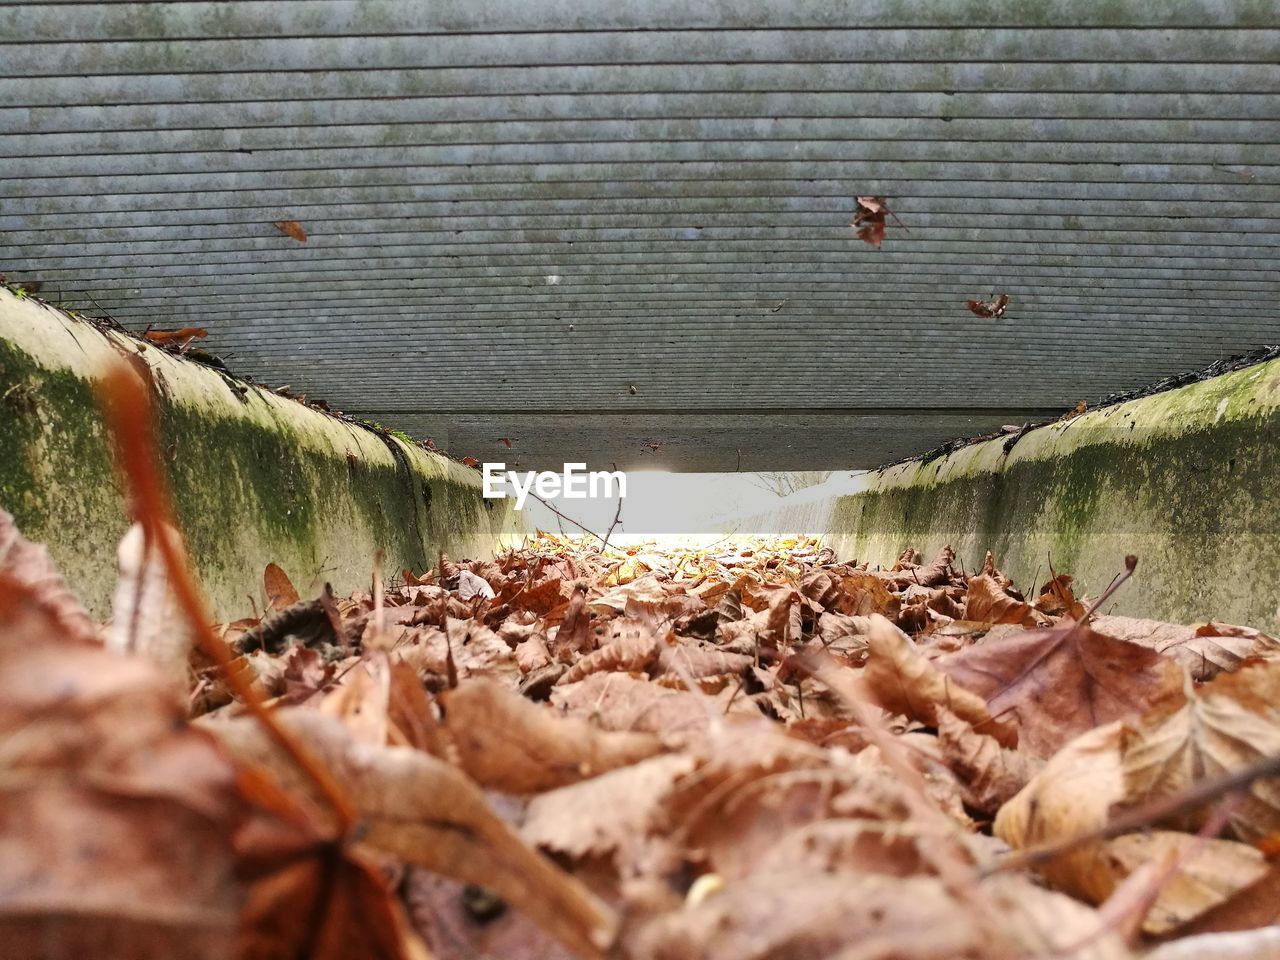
1184,479
57,476
255,478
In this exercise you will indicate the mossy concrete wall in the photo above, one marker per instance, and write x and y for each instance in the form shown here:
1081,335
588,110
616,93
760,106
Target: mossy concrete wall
1186,480
256,478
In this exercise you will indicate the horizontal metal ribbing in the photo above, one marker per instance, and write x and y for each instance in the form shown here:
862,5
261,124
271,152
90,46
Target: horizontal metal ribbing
268,18
542,204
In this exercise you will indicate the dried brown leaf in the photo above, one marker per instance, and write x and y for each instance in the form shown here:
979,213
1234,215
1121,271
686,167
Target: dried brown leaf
1073,795
631,652
470,585
281,592
988,309
30,565
990,773
291,228
508,743
1221,727
988,602
1205,651
902,681
618,701
425,812
1058,682
870,215
615,812
800,915
118,817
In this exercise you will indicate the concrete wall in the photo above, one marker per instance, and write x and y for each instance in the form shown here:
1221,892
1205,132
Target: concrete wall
1186,479
256,478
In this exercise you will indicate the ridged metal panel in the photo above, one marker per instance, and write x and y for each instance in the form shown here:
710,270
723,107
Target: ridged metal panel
519,210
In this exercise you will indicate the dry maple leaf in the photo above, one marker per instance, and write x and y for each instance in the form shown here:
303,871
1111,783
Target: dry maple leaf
291,228
989,308
1058,682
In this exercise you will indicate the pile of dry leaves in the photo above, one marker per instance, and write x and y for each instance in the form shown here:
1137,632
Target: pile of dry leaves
746,752
743,752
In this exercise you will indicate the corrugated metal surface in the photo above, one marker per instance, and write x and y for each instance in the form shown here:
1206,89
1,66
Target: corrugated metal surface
520,209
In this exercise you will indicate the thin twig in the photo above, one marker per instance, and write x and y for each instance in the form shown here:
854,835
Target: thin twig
616,517
128,411
602,540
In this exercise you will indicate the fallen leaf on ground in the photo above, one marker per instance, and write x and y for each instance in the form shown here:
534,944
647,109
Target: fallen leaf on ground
1205,650
1061,681
118,819
902,681
423,811
280,590
1221,727
506,742
1073,796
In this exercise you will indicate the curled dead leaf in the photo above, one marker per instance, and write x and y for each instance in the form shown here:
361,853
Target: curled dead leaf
508,743
902,681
